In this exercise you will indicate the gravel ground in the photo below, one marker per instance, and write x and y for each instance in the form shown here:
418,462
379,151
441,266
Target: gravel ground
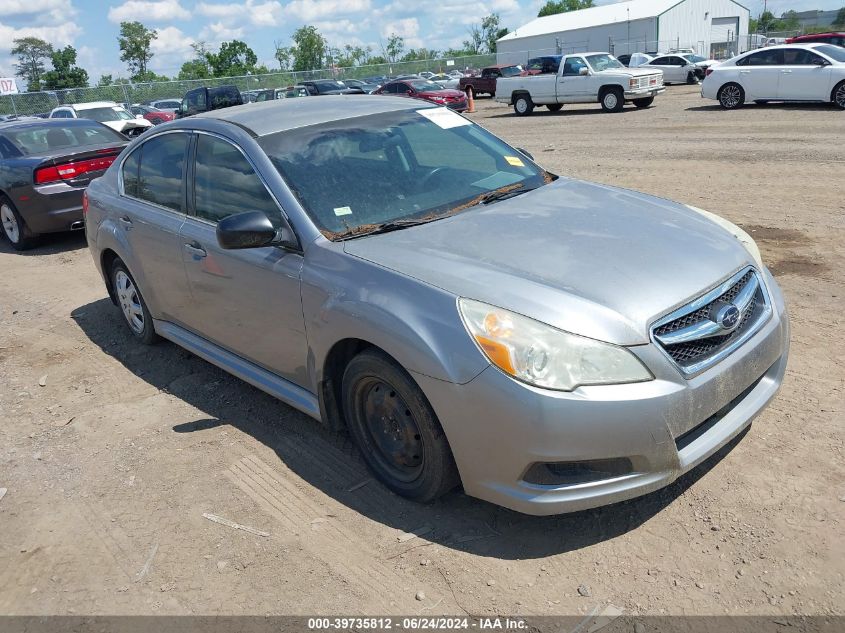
112,452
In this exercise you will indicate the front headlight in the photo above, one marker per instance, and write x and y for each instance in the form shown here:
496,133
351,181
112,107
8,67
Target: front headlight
544,356
744,238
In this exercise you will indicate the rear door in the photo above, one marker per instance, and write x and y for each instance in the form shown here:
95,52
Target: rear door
152,184
804,76
672,67
246,301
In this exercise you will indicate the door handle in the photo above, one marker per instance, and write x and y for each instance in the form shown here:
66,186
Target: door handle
126,222
744,72
786,71
195,249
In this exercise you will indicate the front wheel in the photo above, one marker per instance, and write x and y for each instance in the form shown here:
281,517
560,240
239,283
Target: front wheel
554,107
396,429
644,102
692,78
731,96
613,100
14,227
523,105
838,95
133,132
132,304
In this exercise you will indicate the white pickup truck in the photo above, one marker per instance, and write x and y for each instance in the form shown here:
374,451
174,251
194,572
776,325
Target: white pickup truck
582,78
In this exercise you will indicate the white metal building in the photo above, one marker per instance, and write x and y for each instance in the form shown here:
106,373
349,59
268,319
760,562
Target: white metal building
714,28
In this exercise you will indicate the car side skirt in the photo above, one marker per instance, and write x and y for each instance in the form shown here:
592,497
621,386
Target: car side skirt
270,383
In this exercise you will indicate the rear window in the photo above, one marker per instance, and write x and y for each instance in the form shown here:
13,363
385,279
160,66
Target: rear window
43,139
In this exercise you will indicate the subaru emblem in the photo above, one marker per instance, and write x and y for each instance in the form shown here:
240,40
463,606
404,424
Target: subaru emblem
728,317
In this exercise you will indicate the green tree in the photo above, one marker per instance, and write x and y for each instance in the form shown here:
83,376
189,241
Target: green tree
491,31
475,43
198,67
840,17
234,59
414,55
65,73
394,48
553,7
309,48
135,42
284,56
31,53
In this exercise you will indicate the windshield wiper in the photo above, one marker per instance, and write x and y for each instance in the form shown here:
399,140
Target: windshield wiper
384,227
504,194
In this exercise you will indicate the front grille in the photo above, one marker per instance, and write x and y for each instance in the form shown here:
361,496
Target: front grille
650,81
693,336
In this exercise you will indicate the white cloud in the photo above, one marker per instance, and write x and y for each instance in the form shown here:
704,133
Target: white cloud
28,7
250,12
59,35
219,32
310,10
148,11
407,28
172,41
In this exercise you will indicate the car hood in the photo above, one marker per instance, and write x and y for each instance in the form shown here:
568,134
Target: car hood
636,71
446,92
127,124
590,259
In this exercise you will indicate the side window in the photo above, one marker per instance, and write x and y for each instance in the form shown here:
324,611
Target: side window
160,173
800,57
573,66
763,58
130,173
225,183
196,100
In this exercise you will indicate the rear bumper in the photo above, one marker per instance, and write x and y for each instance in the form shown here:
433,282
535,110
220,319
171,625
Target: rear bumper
499,429
52,208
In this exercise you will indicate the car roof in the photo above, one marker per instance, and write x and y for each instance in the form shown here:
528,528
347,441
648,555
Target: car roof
269,117
33,122
90,105
809,46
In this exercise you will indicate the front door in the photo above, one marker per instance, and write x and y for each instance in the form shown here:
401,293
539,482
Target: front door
804,76
246,301
571,83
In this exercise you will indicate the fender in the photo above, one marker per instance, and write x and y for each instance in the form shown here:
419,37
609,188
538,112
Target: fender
384,311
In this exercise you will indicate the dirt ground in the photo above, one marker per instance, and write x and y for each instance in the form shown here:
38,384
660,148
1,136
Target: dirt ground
111,451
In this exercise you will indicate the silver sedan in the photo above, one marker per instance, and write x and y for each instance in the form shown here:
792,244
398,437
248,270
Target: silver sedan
467,316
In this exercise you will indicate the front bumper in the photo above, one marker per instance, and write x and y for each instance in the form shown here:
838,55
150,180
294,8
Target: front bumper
642,93
498,428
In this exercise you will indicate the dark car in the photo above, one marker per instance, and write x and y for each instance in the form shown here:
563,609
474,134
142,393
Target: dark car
425,89
319,87
207,99
546,64
486,81
44,168
837,39
152,114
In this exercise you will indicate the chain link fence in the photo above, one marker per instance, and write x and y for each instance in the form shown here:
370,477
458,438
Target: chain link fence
30,103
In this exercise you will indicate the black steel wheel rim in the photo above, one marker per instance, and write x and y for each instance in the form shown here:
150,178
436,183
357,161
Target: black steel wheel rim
390,430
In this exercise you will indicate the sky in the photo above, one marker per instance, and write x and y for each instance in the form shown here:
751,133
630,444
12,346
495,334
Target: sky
92,26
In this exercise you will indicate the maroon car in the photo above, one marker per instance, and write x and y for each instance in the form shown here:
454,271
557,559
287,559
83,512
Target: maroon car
837,39
424,89
486,82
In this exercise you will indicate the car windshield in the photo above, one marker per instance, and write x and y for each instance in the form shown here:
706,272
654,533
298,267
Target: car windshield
354,175
423,85
104,114
834,52
43,139
603,61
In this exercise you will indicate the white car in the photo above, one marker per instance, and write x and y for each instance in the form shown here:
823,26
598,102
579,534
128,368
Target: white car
108,113
638,59
676,68
793,72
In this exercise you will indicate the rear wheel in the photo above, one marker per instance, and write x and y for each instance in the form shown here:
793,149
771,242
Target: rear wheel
838,95
396,429
613,100
554,107
644,102
132,304
523,105
731,96
14,226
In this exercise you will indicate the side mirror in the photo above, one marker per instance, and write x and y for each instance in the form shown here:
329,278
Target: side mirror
584,72
252,229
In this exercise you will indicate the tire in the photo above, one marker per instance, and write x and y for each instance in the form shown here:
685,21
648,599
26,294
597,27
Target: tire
644,102
132,304
554,107
14,226
612,100
692,78
134,132
396,429
523,105
837,96
731,96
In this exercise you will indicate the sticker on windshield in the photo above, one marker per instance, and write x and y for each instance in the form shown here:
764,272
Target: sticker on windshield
444,117
515,161
338,211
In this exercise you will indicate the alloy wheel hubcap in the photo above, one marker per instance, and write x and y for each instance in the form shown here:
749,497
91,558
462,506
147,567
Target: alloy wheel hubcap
521,105
730,96
610,100
130,302
840,96
393,431
10,223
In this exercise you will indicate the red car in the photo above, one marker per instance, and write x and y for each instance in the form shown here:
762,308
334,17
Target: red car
153,115
424,89
837,39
